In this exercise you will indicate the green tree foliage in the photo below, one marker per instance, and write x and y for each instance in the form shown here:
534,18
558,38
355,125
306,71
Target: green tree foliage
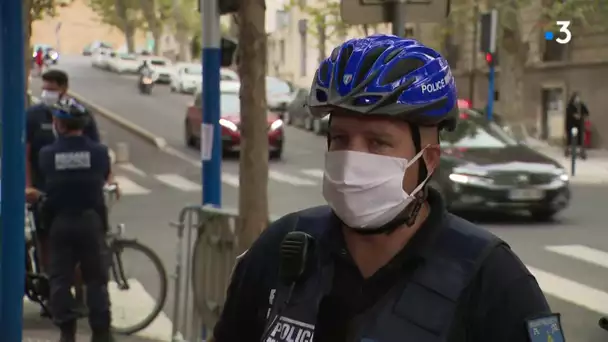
122,14
324,22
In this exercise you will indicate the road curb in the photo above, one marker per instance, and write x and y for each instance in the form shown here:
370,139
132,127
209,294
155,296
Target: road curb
126,124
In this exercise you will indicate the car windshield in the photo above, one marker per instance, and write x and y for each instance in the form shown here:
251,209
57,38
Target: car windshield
158,62
193,70
277,86
230,104
474,131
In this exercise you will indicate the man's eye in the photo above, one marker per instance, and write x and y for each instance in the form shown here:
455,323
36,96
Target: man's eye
379,143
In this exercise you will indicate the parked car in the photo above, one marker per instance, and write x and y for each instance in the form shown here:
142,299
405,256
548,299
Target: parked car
100,58
50,54
484,169
186,78
298,114
161,66
123,63
230,111
279,94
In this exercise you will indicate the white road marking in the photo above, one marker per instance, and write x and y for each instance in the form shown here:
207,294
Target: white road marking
316,173
230,179
178,182
571,291
132,168
131,306
293,180
582,253
129,187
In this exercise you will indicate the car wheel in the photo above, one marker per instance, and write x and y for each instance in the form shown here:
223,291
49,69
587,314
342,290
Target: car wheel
543,215
316,127
188,137
277,154
172,88
308,123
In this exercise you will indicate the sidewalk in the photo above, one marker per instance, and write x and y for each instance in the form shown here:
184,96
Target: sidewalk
594,170
39,329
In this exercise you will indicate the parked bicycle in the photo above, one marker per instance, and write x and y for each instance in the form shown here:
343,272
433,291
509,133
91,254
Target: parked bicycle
37,283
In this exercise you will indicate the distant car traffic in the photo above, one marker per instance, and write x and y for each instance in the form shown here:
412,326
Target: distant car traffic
100,58
485,169
279,94
161,66
297,114
230,111
186,78
123,63
90,49
50,54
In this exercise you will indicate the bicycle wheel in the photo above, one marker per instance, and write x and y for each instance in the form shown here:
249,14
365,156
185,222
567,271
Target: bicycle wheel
132,288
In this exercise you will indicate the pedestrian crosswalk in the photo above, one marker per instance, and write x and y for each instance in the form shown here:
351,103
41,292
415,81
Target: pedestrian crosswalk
134,181
566,283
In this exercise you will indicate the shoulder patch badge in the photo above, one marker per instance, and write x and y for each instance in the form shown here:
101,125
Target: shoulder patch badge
545,329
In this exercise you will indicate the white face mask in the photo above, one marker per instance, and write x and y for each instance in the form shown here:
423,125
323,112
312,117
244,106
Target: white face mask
366,190
49,97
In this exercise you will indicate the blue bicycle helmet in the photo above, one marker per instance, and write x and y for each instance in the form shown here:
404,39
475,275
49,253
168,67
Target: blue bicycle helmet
69,109
386,75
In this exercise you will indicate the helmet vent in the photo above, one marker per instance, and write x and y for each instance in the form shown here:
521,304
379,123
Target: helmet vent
400,69
343,59
368,62
392,55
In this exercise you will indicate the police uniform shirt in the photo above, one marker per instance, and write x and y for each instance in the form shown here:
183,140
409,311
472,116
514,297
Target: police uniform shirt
75,169
496,306
40,133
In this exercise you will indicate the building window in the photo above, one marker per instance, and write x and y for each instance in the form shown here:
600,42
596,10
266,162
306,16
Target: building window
282,50
302,3
553,51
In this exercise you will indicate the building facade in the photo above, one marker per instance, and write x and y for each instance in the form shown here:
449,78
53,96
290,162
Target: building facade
553,71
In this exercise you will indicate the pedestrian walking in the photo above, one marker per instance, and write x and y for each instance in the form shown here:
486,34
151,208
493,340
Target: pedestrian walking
576,115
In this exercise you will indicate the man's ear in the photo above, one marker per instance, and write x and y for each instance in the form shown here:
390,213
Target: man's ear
432,157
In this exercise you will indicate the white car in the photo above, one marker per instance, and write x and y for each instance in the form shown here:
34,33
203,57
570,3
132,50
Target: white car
161,66
187,78
124,63
278,93
100,58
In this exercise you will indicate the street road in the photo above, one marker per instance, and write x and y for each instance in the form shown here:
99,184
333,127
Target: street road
569,257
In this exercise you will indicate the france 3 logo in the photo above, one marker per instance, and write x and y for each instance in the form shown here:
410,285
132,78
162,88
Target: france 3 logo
563,36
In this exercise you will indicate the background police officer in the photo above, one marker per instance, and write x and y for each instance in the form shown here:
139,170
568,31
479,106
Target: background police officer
384,261
75,170
40,132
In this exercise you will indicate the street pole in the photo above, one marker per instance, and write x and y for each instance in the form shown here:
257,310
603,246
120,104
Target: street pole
211,139
12,208
491,74
474,53
395,12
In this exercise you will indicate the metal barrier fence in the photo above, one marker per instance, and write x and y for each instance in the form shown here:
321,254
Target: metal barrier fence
206,254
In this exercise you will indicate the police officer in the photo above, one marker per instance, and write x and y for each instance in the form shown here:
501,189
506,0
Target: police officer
385,261
75,169
40,132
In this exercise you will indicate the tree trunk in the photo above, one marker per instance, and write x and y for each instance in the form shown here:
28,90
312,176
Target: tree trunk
128,28
253,190
181,32
365,29
322,41
148,8
512,60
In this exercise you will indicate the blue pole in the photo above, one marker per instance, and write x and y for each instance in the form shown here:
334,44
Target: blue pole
12,108
211,139
491,93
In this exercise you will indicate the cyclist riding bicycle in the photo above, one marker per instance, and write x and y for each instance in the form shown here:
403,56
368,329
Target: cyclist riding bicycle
75,170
